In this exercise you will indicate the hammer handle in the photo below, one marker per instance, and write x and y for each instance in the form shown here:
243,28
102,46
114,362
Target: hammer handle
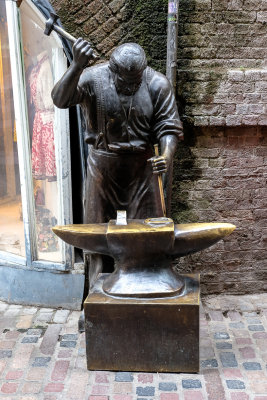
68,36
63,33
161,192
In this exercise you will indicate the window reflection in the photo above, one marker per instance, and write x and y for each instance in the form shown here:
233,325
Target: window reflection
11,221
39,82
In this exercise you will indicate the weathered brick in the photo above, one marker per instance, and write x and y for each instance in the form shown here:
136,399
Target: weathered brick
9,387
60,370
54,388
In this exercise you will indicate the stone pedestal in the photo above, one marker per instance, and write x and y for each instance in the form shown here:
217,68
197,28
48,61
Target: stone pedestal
157,335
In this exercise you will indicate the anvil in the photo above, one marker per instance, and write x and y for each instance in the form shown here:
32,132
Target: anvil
143,251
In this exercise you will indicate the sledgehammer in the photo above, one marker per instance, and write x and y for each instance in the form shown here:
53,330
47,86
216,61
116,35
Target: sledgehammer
51,25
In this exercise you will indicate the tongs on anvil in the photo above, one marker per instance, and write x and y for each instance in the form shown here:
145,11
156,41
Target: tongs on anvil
51,25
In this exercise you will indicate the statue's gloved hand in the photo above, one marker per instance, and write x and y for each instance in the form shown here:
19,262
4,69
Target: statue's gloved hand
159,164
82,53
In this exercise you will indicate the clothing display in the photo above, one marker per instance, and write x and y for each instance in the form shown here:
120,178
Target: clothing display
43,148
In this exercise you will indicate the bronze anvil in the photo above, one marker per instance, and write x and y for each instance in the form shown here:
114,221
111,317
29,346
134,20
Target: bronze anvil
143,250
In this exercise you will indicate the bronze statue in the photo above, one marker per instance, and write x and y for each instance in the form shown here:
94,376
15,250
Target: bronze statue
128,107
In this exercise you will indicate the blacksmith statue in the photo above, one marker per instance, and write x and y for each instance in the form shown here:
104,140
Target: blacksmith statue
128,107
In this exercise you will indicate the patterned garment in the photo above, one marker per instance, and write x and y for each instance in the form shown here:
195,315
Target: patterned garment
43,148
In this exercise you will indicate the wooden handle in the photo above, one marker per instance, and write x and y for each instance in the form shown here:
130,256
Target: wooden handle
163,205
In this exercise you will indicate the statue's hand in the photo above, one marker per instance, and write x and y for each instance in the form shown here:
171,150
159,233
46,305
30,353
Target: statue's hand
82,53
160,164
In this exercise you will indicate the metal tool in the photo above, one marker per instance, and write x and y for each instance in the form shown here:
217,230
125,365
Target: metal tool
51,25
163,205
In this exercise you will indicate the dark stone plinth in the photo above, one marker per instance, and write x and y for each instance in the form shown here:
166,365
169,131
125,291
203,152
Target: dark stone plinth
160,335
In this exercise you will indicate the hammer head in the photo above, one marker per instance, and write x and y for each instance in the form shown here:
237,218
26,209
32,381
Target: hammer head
49,25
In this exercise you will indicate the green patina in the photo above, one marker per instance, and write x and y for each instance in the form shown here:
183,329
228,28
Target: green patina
146,24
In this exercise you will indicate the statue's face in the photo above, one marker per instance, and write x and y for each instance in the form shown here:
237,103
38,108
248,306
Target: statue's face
127,84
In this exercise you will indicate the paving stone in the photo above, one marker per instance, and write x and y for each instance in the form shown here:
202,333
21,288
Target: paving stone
235,384
243,341
22,356
31,387
258,387
41,361
100,390
60,370
34,332
68,343
123,397
77,382
252,366
256,375
256,328
250,314
65,353
30,339
259,335
228,359
247,352
29,310
12,310
36,374
253,321
216,315
25,322
54,387
145,391
5,354
145,378
101,377
14,374
223,345
193,395
123,377
7,344
50,339
12,335
123,387
98,397
206,352
234,315
191,384
9,388
167,386
209,363
169,396
239,396
236,325
232,373
221,335
61,316
70,337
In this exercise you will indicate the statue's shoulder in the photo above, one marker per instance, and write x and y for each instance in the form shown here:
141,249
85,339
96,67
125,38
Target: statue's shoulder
91,74
156,81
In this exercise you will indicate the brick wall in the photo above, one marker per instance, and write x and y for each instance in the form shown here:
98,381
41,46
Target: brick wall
107,24
222,62
221,175
220,169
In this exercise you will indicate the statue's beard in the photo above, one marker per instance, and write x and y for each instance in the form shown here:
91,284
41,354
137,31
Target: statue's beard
127,90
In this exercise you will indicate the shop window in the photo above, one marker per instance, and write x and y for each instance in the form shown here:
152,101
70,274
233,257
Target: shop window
11,221
35,192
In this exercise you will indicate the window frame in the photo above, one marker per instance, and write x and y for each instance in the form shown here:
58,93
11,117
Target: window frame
62,150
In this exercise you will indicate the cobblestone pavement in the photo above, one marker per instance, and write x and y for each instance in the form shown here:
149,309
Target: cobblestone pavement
43,357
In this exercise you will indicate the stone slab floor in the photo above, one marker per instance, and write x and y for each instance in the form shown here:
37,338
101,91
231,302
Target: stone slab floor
43,357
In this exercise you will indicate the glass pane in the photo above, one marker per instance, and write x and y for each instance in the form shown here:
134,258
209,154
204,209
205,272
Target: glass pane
11,221
38,60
